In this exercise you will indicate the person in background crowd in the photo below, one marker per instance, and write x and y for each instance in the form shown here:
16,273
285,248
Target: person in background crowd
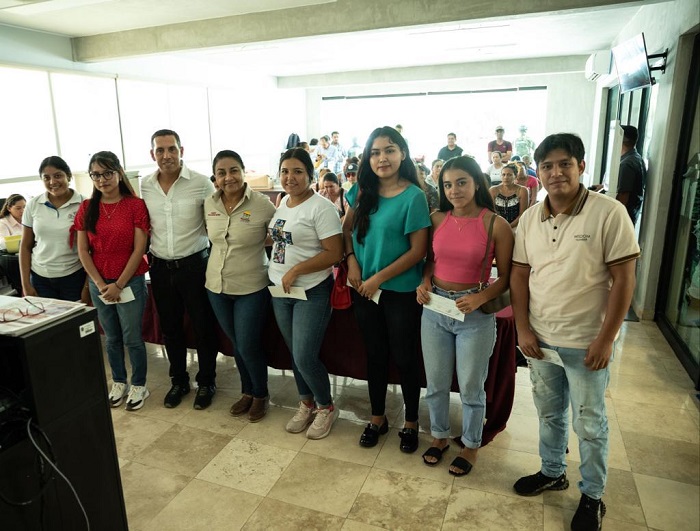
453,270
11,217
531,183
236,218
527,160
523,145
432,179
304,146
494,170
633,174
386,236
48,259
330,189
504,147
431,194
340,153
578,316
112,229
307,238
179,252
350,174
451,149
326,154
510,199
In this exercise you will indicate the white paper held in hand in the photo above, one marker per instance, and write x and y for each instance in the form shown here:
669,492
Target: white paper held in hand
549,355
444,306
127,295
375,297
294,292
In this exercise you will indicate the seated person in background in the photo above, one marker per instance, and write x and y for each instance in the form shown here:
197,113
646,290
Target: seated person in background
451,149
527,160
431,194
510,199
436,166
11,217
531,183
330,188
494,170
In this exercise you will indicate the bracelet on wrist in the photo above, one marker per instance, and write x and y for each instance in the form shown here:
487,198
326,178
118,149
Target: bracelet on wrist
118,286
351,253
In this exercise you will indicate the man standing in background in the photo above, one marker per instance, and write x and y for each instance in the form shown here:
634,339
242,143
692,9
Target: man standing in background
340,153
631,180
179,252
503,146
451,149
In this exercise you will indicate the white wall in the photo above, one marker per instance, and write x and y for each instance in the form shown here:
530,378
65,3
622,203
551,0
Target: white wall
662,25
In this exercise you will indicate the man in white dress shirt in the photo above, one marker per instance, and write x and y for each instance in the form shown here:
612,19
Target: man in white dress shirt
179,252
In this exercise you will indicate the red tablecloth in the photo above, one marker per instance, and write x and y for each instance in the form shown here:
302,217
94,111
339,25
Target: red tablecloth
343,354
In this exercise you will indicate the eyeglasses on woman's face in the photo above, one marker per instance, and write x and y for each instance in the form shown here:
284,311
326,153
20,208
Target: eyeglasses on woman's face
106,175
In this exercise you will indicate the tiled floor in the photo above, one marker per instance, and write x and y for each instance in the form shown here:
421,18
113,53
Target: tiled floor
187,469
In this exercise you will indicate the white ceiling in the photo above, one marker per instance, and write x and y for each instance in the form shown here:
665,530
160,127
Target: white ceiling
544,35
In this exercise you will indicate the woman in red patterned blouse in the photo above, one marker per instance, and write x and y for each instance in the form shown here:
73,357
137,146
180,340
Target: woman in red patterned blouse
112,230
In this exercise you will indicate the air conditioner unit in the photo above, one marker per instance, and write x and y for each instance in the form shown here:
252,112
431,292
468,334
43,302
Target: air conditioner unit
598,64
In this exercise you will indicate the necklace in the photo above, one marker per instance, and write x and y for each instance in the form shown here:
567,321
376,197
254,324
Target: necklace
460,226
106,212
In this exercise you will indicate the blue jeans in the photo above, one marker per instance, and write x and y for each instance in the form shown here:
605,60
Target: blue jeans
553,387
68,288
469,344
122,327
242,318
303,325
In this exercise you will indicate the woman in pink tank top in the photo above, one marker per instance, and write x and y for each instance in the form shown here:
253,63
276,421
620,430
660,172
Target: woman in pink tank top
461,334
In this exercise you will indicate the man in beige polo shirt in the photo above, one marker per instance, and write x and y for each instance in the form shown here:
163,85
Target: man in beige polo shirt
571,286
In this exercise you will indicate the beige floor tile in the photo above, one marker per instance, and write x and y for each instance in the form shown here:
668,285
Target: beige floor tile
620,496
342,444
225,509
216,418
147,491
497,469
353,525
559,519
476,510
133,433
122,462
270,430
391,458
639,390
153,407
320,484
354,404
274,514
669,423
663,458
669,505
248,466
400,501
183,450
523,403
521,434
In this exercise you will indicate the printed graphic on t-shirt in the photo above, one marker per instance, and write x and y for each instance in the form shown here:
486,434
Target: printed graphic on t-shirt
281,238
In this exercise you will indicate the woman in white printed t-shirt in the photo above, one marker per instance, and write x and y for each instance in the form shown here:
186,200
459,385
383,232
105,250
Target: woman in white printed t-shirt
307,240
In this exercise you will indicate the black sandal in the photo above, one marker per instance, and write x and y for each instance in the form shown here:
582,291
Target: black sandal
435,452
462,463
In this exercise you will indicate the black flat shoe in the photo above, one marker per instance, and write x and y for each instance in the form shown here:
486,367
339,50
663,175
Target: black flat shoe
370,437
409,440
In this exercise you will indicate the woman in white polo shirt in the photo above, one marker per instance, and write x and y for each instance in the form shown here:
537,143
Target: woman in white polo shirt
48,257
236,281
307,240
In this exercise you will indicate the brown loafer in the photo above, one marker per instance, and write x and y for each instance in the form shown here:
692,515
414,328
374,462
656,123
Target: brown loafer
242,406
258,409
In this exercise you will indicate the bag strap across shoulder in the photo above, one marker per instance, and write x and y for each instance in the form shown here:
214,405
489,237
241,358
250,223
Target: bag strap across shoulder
484,264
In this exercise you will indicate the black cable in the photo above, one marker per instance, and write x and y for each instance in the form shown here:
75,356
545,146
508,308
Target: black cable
70,485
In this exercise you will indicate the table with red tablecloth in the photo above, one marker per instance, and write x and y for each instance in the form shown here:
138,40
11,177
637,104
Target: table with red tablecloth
343,354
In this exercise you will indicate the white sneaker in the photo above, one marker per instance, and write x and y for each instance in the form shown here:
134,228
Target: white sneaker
117,393
323,422
137,396
304,416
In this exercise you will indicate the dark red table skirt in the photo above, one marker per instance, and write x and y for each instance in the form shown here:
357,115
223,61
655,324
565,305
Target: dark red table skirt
343,354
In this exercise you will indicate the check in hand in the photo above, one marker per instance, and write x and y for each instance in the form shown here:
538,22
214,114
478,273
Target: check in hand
111,292
423,294
468,303
368,288
527,341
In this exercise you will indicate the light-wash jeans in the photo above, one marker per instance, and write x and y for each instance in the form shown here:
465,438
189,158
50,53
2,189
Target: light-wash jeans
469,344
303,326
553,388
122,327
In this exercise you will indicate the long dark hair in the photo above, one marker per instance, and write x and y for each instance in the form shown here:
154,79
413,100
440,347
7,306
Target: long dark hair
367,200
58,163
9,203
109,161
482,197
